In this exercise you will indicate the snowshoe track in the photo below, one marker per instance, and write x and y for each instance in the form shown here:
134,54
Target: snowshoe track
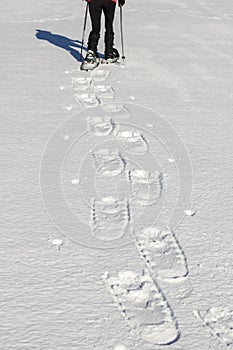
81,84
87,99
144,307
103,91
108,163
100,126
219,321
132,140
161,252
138,295
145,187
110,218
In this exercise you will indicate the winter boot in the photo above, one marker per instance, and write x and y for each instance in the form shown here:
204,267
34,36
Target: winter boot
91,61
113,56
92,57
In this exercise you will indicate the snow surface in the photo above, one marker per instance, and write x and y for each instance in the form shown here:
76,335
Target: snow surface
167,110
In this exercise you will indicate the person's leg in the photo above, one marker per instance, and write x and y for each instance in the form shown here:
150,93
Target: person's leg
109,12
95,10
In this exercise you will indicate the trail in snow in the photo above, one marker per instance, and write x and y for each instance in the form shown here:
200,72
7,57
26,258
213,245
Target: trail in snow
140,179
139,297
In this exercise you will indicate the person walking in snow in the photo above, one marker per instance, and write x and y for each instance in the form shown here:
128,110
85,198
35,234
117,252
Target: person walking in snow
96,7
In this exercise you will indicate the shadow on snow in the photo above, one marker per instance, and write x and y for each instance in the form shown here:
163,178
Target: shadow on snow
73,46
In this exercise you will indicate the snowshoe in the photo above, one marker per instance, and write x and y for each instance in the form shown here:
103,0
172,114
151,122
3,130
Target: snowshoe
111,57
91,61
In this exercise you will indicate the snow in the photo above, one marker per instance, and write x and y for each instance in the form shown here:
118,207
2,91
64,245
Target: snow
190,212
56,242
70,210
119,347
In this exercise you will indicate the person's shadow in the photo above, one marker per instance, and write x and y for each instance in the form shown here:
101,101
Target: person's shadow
63,42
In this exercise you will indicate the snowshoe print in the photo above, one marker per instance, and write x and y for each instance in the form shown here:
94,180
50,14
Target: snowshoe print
100,126
87,100
108,163
99,75
110,218
219,320
80,84
145,187
104,91
161,252
144,306
132,140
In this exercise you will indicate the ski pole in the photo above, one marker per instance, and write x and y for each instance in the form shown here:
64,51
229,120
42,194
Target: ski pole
122,38
84,28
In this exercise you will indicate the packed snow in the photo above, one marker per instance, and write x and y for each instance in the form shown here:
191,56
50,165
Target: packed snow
116,186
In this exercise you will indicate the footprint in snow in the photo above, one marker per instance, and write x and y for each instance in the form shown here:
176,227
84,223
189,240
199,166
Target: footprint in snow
110,218
81,84
143,306
108,163
99,75
103,91
131,139
219,320
87,99
162,253
100,126
145,187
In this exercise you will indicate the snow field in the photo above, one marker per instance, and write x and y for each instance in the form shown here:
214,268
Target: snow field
161,133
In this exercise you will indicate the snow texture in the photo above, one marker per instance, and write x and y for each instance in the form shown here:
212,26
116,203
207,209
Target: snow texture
219,320
126,169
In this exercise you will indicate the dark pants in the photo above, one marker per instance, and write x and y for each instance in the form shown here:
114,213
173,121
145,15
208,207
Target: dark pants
95,8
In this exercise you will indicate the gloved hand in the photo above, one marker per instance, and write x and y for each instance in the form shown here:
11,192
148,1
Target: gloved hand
121,2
